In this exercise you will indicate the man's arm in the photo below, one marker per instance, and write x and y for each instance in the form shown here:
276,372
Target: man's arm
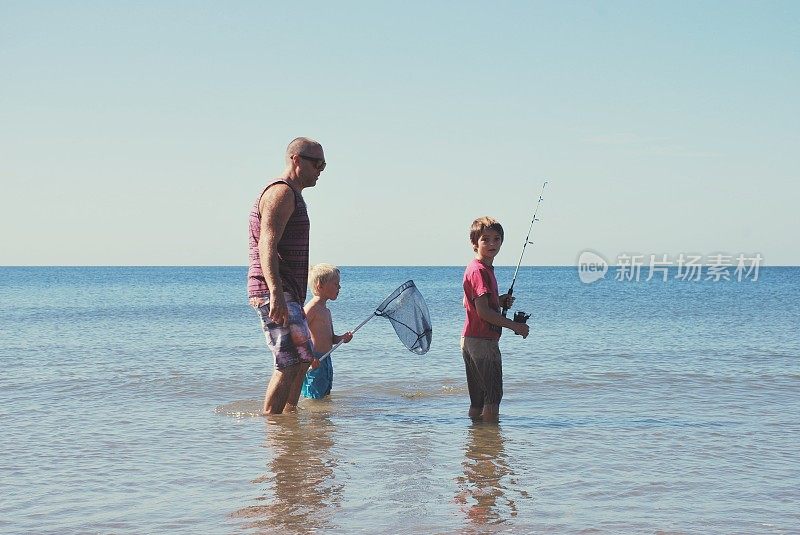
276,207
489,315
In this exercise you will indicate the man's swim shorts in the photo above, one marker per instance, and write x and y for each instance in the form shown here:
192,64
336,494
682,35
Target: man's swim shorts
289,344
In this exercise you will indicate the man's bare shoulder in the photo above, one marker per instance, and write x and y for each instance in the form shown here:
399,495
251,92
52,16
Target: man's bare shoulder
275,195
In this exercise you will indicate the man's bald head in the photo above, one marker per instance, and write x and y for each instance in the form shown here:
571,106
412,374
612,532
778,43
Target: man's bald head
302,145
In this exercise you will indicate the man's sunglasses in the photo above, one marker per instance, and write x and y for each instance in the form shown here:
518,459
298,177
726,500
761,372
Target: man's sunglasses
319,163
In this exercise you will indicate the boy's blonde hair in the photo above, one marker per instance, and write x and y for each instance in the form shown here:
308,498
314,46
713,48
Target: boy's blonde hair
481,224
319,274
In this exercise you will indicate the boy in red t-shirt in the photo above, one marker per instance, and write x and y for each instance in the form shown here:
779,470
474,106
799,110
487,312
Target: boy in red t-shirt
480,338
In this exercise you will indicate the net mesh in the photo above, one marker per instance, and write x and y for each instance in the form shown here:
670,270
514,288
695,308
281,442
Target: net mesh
407,311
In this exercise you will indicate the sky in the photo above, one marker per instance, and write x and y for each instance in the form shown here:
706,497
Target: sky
140,133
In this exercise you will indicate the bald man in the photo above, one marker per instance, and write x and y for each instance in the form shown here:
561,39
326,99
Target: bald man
278,273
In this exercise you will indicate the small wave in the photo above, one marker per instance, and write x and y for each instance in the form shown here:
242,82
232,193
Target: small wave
418,391
246,408
452,389
416,394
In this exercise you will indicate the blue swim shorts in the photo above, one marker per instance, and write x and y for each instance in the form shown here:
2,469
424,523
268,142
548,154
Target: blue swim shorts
317,383
289,344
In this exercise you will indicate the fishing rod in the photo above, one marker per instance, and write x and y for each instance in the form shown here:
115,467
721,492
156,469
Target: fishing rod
520,316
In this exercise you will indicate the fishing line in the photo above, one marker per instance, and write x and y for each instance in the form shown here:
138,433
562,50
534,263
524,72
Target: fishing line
520,316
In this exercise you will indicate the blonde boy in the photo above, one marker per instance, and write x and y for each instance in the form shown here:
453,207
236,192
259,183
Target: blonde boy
480,338
323,279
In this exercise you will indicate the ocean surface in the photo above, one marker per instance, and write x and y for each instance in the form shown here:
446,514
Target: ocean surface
129,400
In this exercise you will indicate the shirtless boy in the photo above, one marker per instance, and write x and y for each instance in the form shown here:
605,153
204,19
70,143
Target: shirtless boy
324,281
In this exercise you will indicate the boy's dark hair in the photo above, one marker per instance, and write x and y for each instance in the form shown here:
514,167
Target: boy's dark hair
480,225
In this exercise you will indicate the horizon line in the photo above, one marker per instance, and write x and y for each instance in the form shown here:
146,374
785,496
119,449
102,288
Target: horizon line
574,266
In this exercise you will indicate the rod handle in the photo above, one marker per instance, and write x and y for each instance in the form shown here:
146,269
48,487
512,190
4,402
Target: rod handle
510,293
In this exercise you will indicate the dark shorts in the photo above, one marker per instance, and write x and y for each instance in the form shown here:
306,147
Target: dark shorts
484,370
289,344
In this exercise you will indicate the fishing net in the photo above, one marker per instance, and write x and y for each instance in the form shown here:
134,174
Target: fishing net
407,311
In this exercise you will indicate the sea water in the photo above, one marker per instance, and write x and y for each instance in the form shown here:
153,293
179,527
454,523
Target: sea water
129,402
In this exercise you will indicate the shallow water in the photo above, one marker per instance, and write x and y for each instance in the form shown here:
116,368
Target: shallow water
128,402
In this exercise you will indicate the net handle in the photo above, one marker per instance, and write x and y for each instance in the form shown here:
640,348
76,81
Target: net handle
328,354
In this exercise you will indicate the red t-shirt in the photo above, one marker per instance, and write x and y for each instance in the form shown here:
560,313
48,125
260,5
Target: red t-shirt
479,280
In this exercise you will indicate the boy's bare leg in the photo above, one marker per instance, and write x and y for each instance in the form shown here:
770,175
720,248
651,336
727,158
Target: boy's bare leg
297,386
475,412
278,389
491,412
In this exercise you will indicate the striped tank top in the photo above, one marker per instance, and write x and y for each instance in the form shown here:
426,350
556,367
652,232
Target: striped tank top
292,251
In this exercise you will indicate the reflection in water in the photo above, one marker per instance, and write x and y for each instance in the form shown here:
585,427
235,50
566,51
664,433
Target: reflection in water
298,491
487,475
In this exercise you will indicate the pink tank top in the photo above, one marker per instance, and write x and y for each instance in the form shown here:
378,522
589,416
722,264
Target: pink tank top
292,251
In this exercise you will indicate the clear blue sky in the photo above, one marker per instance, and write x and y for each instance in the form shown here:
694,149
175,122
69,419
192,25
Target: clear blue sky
141,132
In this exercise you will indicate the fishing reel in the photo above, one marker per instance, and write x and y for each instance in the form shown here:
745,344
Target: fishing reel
521,317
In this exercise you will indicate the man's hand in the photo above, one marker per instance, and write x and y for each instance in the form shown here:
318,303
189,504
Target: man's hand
314,364
506,301
278,311
346,337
